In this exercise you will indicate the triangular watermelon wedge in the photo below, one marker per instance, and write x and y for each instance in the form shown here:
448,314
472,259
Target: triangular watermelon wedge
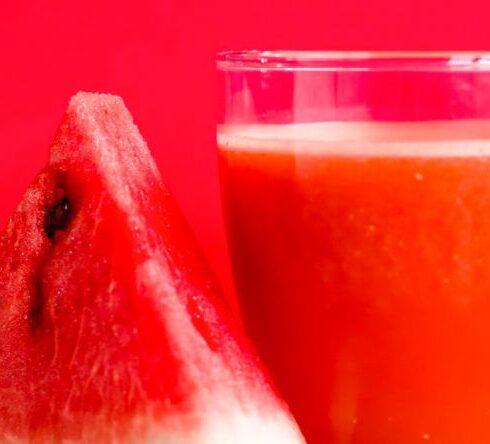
110,330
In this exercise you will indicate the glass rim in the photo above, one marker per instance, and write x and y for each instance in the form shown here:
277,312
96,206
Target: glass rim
299,60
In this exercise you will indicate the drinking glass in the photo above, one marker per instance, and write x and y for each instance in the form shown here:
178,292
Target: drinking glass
356,194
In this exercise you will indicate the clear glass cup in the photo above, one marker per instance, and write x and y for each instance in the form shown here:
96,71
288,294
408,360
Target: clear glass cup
356,193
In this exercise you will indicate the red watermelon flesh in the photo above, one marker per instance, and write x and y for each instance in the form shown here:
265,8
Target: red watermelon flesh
110,329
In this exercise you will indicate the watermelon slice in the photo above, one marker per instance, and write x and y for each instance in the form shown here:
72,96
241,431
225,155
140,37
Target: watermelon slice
110,329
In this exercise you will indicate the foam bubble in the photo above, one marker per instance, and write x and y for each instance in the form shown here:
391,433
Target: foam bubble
461,138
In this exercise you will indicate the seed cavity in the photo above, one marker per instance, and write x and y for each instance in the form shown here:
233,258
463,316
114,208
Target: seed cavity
57,218
36,312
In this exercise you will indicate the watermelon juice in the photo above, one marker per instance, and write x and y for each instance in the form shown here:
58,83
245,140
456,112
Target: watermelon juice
361,253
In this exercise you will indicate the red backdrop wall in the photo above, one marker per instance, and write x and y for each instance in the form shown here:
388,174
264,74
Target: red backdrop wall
159,55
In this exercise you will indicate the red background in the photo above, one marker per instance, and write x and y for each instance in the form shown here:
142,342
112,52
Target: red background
159,55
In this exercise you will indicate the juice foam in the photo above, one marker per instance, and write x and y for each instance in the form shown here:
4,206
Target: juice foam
462,138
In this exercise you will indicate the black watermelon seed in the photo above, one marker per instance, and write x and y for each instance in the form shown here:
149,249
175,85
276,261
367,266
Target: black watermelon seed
58,217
